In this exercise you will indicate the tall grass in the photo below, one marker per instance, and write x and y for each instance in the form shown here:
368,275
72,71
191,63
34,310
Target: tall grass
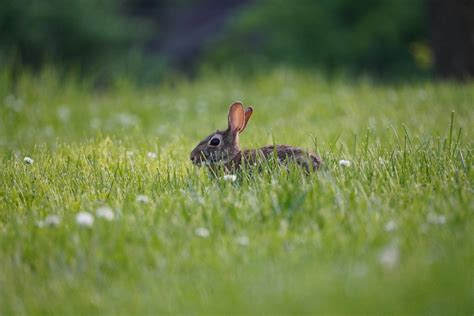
391,233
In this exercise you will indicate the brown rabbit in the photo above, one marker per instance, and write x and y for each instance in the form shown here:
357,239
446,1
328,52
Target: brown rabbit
221,148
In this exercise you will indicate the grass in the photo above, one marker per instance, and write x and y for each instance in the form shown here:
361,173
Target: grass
390,234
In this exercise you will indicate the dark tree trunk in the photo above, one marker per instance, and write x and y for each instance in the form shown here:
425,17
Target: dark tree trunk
451,27
184,28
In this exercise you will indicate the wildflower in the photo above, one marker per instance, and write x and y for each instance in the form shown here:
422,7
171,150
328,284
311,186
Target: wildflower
95,123
389,256
202,232
16,104
390,226
48,131
142,199
28,160
64,113
229,177
344,163
151,155
84,219
130,153
243,240
105,212
436,219
126,119
50,220
422,94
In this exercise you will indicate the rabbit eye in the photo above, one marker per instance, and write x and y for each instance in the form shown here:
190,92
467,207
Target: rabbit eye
215,142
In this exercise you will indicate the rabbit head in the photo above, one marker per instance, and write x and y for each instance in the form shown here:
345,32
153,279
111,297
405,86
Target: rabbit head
220,147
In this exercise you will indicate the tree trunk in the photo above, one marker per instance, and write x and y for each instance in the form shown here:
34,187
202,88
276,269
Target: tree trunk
451,27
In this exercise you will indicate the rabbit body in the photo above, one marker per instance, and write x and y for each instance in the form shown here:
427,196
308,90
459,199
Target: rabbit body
284,154
221,148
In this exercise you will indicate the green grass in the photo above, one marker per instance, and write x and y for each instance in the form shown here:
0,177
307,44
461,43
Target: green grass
391,234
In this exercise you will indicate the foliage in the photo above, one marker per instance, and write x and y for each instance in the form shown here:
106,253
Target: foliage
86,33
108,37
390,234
363,36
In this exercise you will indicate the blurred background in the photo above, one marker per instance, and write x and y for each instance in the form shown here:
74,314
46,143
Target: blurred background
148,40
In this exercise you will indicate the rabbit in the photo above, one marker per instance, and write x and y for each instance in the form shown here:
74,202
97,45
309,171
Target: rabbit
222,148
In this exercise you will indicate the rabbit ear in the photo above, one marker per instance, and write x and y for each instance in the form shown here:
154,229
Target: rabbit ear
248,114
236,117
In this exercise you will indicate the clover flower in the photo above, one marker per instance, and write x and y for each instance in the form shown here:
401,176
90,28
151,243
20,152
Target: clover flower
142,199
49,221
344,163
84,219
151,155
389,256
202,232
229,177
105,212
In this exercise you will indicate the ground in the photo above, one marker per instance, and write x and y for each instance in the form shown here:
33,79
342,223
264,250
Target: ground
388,230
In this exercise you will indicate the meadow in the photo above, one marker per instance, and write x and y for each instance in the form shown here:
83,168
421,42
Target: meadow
391,231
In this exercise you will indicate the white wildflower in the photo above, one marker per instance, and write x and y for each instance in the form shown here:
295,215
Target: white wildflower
84,219
142,199
105,212
344,163
202,232
95,123
126,119
16,104
50,220
436,219
48,131
422,94
28,160
64,113
130,153
229,177
390,226
389,256
151,155
243,240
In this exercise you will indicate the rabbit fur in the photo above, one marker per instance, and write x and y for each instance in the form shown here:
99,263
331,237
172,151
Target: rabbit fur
222,148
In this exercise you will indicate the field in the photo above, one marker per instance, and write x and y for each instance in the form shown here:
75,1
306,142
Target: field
391,232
